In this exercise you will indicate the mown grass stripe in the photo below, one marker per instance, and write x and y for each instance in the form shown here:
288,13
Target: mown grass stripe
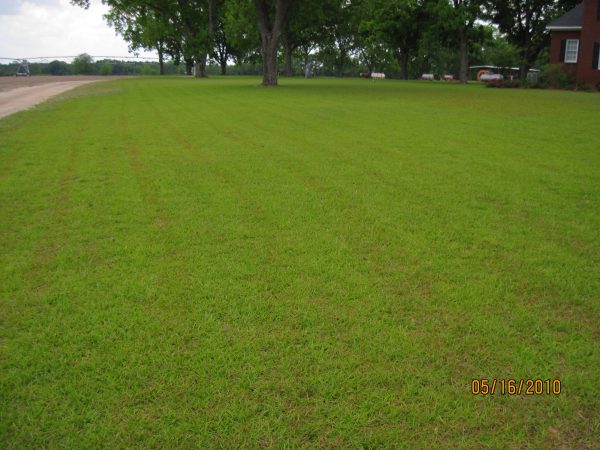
326,264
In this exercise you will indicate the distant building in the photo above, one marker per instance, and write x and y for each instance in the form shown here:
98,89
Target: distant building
575,42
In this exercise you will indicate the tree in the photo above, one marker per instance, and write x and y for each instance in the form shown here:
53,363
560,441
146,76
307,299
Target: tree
270,16
456,20
190,25
222,49
105,68
302,30
241,31
337,38
495,50
58,68
524,23
401,23
368,33
435,55
83,65
195,22
143,28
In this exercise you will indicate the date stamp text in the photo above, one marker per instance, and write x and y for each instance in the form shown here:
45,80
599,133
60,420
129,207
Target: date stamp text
509,386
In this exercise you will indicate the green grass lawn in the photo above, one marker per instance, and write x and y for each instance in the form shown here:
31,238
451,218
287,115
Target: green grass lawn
205,263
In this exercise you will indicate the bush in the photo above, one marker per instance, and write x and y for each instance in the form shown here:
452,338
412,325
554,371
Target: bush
582,86
556,77
598,85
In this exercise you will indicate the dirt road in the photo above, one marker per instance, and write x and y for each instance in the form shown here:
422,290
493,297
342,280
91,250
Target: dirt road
18,93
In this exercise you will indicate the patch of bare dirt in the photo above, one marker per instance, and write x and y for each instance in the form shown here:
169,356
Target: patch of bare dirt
18,93
10,83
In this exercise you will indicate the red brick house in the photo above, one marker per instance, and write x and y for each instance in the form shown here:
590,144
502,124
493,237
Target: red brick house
575,42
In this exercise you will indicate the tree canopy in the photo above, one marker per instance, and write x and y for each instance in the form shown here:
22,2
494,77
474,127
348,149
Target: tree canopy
523,22
401,37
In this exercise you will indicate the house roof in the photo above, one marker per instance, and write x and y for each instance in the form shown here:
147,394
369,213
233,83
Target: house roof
572,20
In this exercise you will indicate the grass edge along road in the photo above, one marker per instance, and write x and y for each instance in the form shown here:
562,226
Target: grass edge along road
204,263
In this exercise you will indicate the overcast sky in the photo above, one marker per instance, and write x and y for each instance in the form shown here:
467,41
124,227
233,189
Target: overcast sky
30,28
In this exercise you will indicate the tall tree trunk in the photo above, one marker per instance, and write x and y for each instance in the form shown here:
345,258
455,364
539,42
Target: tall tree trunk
200,67
524,64
270,31
189,65
525,49
403,63
222,56
161,59
268,50
523,70
211,22
463,74
369,62
289,70
341,63
306,54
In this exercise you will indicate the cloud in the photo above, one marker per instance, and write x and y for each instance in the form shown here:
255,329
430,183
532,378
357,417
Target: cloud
57,28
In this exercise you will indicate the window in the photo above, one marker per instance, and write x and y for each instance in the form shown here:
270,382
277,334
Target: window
597,55
571,50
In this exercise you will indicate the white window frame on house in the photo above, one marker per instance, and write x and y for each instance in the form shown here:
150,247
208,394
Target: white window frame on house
571,53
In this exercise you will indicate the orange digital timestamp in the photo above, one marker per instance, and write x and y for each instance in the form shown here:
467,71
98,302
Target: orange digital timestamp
510,386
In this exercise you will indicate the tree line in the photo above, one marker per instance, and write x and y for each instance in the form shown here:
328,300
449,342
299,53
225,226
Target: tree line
85,65
410,35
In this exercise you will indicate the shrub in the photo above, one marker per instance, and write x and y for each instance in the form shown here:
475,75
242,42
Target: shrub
598,85
555,76
581,86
